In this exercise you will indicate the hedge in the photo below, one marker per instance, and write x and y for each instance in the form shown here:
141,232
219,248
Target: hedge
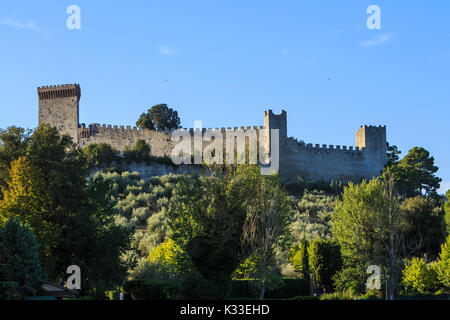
151,289
240,289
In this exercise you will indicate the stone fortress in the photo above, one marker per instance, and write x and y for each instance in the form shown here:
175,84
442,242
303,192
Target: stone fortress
59,107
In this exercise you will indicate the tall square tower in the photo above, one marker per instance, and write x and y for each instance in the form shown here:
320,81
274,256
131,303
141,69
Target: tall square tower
59,107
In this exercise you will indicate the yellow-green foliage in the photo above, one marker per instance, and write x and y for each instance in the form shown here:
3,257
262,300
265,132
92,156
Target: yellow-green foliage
419,277
169,259
443,265
447,212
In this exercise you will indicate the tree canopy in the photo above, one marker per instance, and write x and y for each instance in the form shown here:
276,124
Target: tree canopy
159,116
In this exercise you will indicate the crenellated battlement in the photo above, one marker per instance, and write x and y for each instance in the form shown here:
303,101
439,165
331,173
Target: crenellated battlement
323,147
59,91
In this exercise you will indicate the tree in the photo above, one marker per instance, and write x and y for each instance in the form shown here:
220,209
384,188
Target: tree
443,265
369,226
392,155
424,232
324,262
447,212
139,153
169,261
205,219
13,144
266,226
419,277
19,261
98,154
25,198
145,122
71,216
416,173
161,117
299,259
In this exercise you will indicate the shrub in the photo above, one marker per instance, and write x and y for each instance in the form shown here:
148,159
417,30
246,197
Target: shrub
151,289
419,277
290,287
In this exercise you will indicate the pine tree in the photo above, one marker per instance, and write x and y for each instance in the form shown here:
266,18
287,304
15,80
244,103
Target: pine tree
19,261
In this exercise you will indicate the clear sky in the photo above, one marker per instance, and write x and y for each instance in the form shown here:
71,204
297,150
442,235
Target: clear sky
225,62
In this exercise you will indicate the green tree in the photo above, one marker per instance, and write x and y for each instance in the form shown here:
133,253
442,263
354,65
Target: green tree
145,122
324,262
169,261
71,217
19,261
369,226
392,155
424,233
205,218
299,259
419,277
266,227
447,212
98,154
443,265
13,144
161,117
139,153
164,118
416,173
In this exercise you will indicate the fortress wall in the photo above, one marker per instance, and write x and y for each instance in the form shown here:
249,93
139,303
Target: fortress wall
323,162
160,141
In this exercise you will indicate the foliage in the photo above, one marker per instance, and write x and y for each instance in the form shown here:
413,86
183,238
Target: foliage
324,262
71,217
369,226
19,261
13,144
301,185
205,219
312,216
169,261
151,289
416,173
139,153
447,213
338,296
419,277
443,265
299,259
424,233
288,288
99,154
266,227
161,117
392,155
145,122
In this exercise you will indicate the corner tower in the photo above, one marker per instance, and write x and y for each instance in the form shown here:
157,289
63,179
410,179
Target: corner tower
59,107
373,140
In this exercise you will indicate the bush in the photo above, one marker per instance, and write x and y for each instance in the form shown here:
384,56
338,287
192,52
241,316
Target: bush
291,287
100,154
338,296
151,289
419,277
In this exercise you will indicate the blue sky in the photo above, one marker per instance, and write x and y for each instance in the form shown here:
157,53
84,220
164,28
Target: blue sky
225,62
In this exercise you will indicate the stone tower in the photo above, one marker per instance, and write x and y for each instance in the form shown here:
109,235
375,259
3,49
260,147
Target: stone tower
373,140
275,121
59,107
